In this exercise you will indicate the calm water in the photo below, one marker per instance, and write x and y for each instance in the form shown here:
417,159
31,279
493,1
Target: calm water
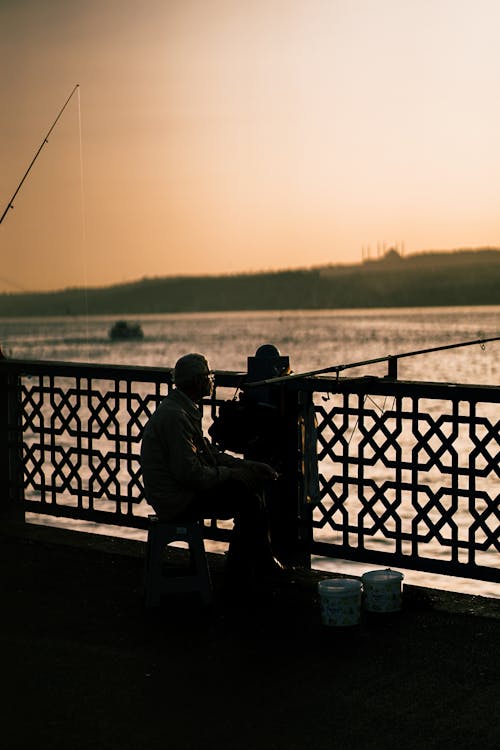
312,339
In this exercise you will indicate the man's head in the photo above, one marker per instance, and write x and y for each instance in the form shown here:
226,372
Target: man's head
193,376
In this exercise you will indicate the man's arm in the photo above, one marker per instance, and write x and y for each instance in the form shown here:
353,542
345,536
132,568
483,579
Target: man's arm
187,464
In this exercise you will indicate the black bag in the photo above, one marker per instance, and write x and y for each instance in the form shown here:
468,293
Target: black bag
245,426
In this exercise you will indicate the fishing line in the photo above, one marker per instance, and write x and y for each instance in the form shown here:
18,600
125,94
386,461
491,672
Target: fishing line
356,422
381,409
83,219
366,398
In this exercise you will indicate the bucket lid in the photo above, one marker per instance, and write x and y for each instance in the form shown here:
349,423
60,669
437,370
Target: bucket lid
339,586
382,576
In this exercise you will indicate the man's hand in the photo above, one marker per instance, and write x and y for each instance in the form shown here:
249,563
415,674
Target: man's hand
251,471
262,471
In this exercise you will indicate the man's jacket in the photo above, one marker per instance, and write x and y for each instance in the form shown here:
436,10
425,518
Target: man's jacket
177,461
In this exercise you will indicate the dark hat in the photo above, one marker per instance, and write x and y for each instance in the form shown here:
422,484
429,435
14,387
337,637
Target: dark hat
189,366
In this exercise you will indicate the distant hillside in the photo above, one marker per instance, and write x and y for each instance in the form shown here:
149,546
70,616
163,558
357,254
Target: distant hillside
463,277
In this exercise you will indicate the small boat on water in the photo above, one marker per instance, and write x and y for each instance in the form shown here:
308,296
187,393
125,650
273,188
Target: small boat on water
124,331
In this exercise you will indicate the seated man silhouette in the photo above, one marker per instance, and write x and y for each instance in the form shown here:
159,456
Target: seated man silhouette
187,478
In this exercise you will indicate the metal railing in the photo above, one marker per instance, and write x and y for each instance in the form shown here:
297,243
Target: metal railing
408,473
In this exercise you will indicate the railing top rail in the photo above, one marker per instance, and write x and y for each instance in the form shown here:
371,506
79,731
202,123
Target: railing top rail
84,369
388,387
123,372
236,379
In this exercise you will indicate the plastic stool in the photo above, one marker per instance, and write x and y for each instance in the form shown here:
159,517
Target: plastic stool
160,534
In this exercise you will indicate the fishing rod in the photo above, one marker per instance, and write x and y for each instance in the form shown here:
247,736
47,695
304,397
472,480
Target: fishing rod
392,358
10,204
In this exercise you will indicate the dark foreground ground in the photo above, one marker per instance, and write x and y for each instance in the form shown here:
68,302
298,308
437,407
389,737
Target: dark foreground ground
83,665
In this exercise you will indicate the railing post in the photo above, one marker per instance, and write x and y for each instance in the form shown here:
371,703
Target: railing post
308,495
277,411
11,486
392,368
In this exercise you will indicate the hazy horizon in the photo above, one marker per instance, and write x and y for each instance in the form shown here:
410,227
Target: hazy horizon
225,137
249,273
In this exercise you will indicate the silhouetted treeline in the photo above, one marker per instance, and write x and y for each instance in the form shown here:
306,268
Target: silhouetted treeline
467,277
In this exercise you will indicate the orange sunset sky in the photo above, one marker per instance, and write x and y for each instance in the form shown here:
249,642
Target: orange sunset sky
220,136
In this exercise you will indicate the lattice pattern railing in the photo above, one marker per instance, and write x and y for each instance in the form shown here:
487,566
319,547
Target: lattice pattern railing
79,449
81,431
408,472
409,476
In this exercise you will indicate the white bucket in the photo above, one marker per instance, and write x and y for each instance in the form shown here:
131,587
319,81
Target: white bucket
340,601
382,590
